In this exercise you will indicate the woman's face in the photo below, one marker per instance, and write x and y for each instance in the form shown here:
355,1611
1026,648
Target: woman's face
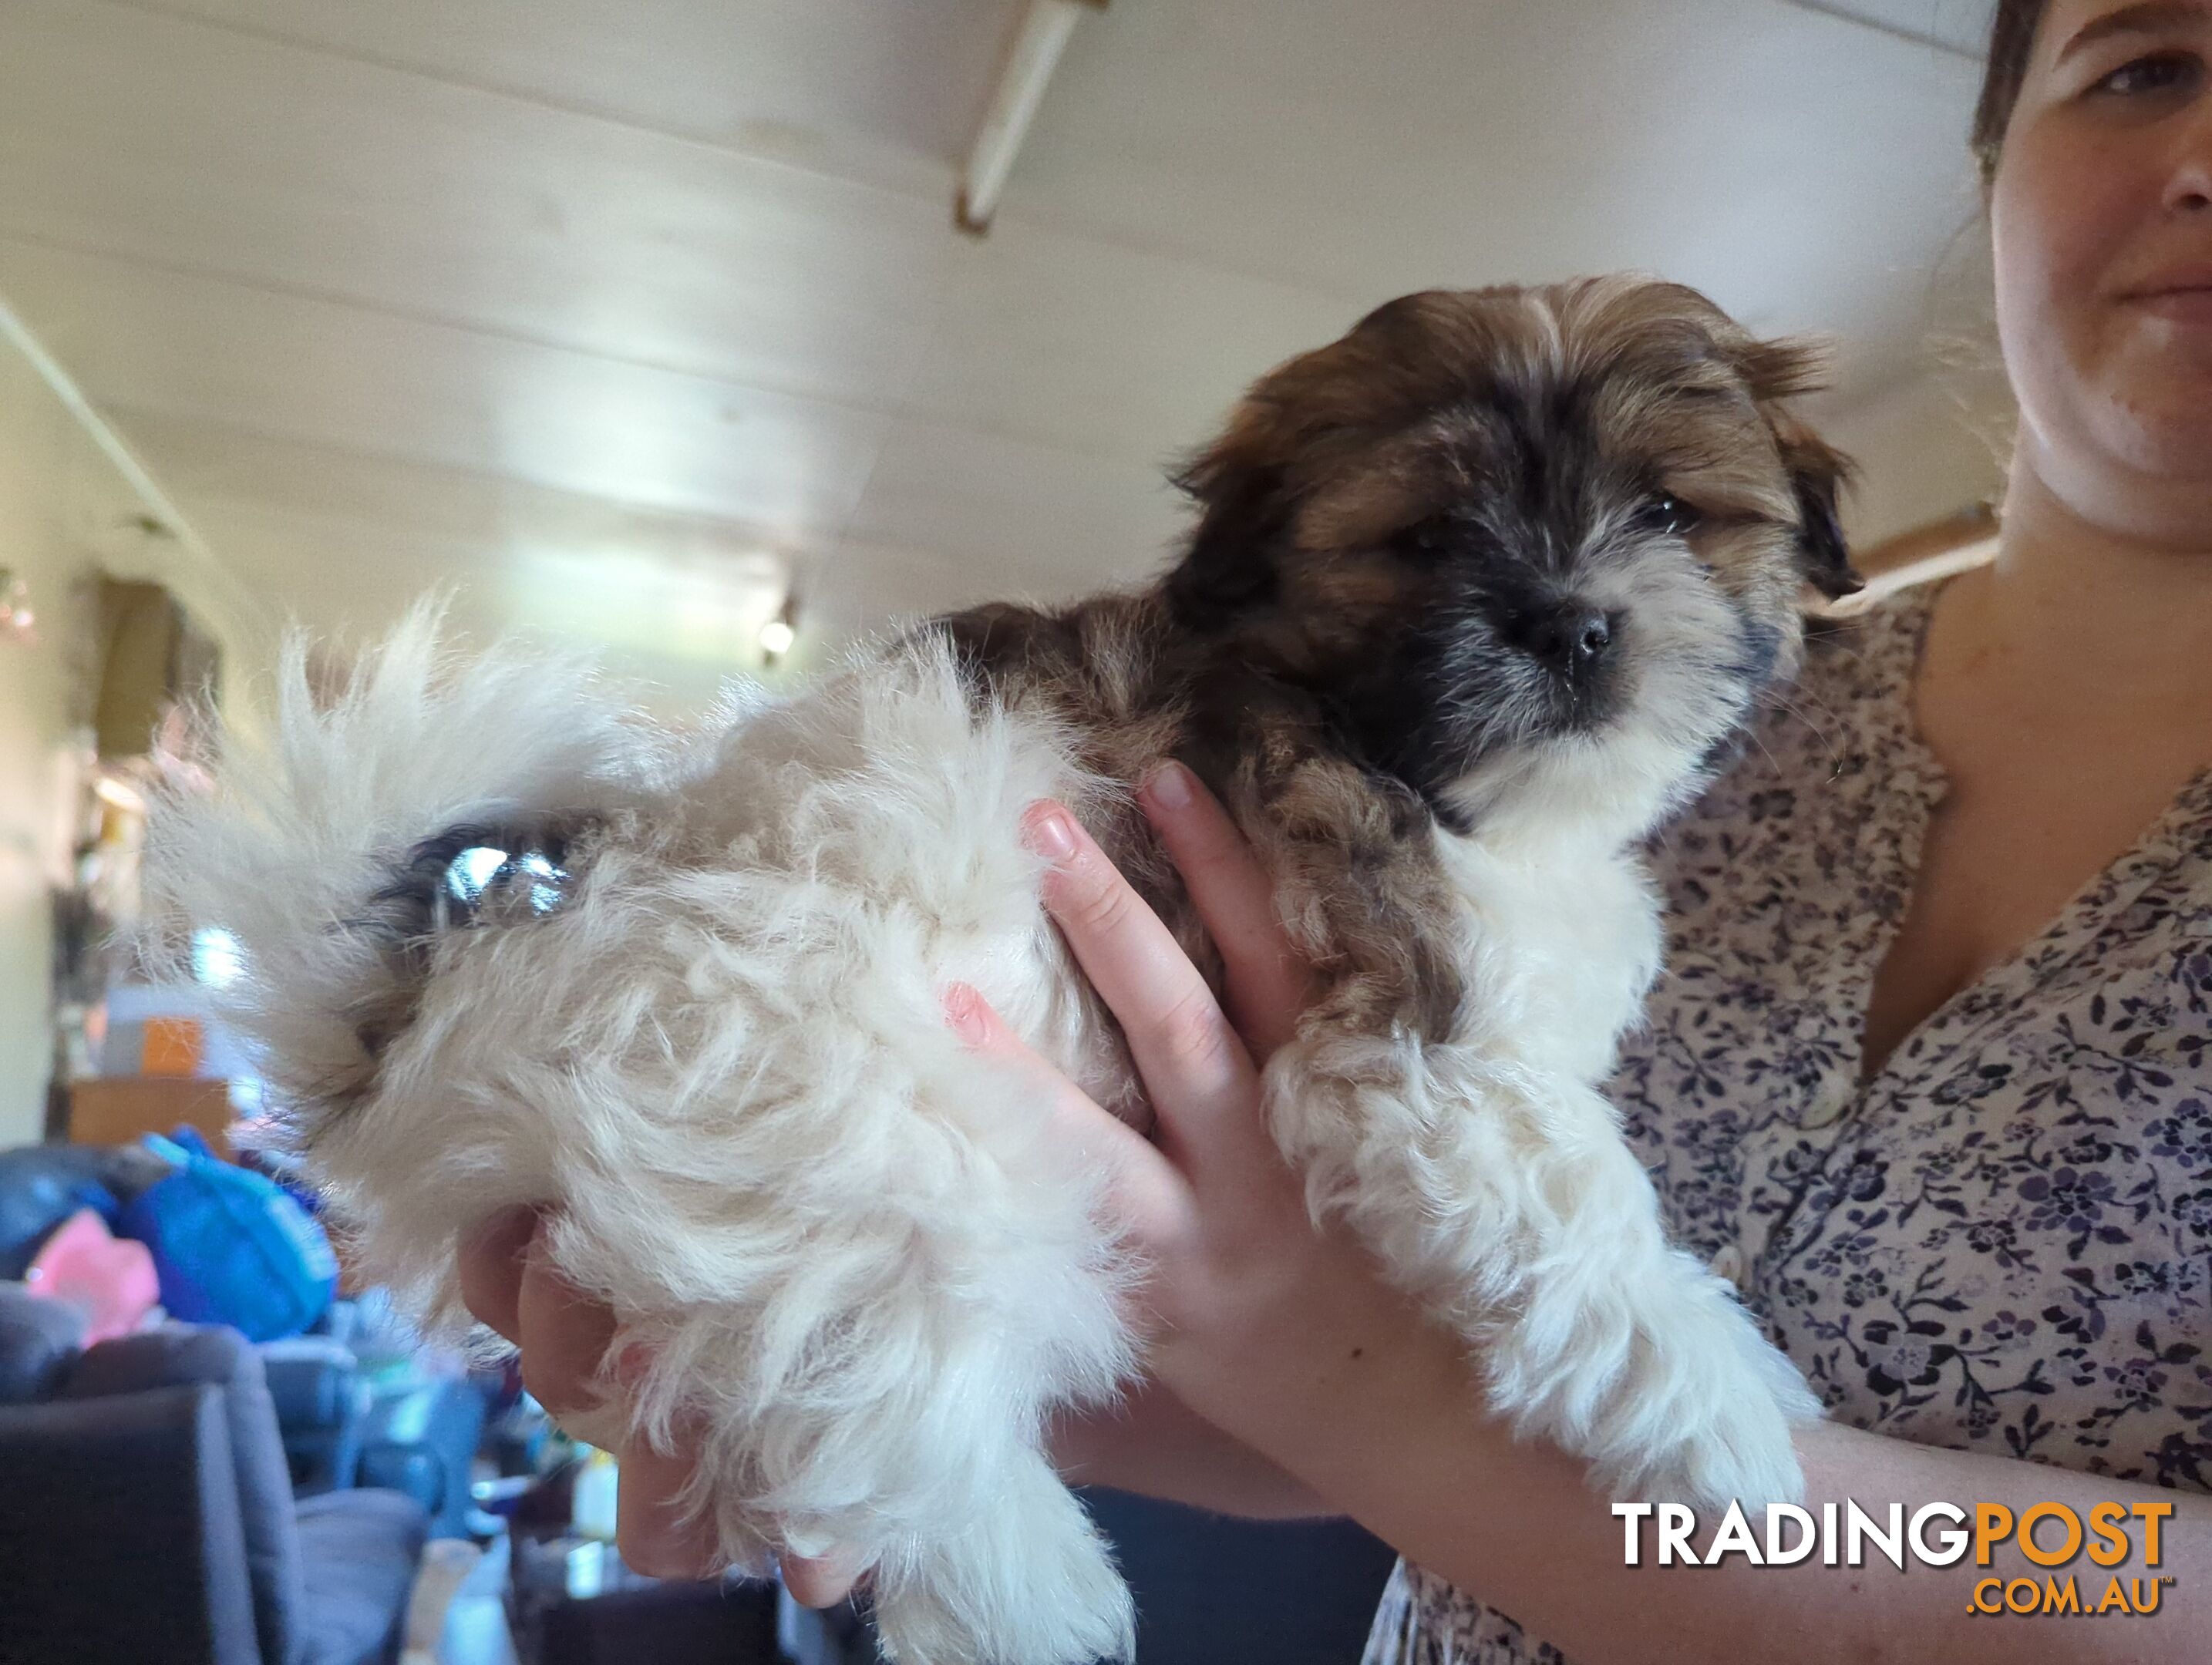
2102,215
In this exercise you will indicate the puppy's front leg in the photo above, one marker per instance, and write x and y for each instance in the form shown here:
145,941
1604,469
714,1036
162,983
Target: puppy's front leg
1508,1204
1496,1190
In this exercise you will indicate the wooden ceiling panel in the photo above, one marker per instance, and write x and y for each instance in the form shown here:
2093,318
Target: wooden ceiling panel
1795,165
1102,347
238,156
1051,523
888,89
294,366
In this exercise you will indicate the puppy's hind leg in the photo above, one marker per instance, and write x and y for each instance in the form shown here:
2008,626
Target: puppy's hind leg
1508,1204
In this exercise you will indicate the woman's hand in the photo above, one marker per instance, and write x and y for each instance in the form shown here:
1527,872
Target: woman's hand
1237,1269
562,1336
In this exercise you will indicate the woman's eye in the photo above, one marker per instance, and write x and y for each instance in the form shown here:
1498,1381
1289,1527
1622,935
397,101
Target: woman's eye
2156,72
1668,515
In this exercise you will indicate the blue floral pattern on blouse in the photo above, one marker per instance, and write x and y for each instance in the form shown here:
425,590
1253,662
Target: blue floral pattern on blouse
2003,1242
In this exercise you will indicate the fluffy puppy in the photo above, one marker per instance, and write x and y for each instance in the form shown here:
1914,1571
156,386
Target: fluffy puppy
1476,594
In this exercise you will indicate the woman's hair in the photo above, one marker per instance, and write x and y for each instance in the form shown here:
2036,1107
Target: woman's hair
2012,37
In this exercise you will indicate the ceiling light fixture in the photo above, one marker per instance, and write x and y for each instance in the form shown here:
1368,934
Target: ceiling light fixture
777,635
16,617
1037,44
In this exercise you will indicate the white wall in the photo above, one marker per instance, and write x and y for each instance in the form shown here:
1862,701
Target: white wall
69,511
1938,437
43,699
1923,450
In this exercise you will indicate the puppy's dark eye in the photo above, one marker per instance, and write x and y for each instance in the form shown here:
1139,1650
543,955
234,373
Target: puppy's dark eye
1431,540
1668,515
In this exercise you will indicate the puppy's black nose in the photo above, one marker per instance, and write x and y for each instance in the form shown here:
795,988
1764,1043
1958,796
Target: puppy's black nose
1572,636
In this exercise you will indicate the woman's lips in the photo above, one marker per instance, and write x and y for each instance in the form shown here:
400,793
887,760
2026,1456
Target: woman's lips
2182,294
2190,304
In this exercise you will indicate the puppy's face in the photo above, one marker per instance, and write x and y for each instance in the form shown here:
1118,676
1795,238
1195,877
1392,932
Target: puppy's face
1533,549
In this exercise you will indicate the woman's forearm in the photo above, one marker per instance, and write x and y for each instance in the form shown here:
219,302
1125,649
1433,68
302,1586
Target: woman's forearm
1393,1434
1153,1444
1567,1580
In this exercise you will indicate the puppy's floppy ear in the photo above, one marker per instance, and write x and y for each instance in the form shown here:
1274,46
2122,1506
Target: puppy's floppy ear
1818,473
1777,371
1785,368
1244,508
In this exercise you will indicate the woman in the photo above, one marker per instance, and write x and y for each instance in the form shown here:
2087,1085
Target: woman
1930,1074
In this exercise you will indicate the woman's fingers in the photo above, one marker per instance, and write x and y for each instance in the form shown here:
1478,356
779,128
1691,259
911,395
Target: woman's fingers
821,1581
1142,1187
1269,984
490,1265
651,1528
560,1334
563,1335
1191,1059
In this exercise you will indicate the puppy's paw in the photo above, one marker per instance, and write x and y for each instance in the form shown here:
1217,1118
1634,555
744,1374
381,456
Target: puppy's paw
1741,1451
1655,1375
1031,1584
1729,1403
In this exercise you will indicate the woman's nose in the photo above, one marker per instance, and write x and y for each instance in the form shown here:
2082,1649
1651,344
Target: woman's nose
2189,185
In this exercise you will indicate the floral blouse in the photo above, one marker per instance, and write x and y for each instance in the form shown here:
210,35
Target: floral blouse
2003,1242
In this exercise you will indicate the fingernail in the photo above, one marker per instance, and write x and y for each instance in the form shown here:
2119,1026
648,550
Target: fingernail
963,1010
1169,786
1052,835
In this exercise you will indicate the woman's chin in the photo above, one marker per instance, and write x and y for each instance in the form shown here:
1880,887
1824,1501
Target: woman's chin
2157,422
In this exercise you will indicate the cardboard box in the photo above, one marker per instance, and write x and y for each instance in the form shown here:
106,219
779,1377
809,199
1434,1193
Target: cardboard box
115,1109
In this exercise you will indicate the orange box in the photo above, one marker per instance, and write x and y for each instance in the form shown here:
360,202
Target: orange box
174,1046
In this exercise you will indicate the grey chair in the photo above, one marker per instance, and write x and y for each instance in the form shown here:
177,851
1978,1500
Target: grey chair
147,1514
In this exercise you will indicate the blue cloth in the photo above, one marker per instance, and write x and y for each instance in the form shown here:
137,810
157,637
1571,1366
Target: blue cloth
41,1186
231,1247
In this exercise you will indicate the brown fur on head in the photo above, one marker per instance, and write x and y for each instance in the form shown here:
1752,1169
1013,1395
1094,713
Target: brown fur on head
1490,524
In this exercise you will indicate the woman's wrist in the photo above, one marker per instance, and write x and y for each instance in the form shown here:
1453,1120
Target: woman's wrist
1334,1379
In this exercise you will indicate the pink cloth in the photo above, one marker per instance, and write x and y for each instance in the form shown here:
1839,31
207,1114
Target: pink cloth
112,1279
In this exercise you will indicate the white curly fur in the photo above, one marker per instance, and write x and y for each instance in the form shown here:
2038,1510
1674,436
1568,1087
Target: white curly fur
854,1259
856,1263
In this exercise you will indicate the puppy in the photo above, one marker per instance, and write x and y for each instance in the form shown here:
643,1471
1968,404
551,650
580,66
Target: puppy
1477,595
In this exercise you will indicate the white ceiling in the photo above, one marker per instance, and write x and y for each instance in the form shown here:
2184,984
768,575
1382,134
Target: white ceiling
611,312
